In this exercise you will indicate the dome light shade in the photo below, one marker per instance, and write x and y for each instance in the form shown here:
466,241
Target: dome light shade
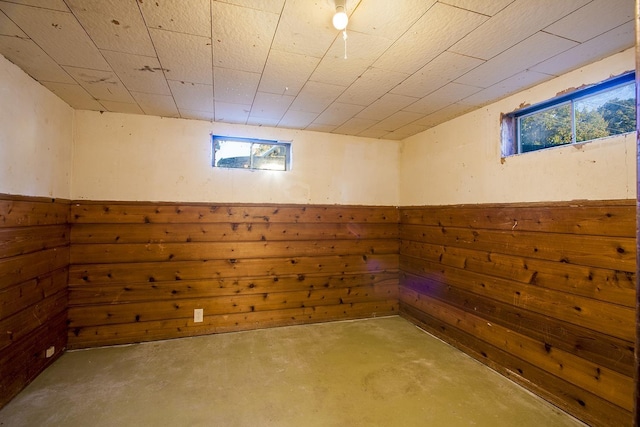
340,19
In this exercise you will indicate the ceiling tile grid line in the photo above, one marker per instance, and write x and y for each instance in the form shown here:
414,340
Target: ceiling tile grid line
392,111
114,27
154,101
410,65
69,89
262,100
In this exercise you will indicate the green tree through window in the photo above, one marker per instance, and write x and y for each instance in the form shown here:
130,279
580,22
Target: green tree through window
583,117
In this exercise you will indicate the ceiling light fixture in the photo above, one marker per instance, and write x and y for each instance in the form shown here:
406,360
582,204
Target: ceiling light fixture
340,21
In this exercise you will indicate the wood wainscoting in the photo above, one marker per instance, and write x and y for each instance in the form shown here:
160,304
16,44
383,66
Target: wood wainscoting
543,293
139,270
34,259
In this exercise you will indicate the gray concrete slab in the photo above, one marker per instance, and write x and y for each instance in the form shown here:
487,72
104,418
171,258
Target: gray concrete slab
375,372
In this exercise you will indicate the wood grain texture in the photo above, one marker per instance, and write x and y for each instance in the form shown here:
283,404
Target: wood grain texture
138,270
544,293
34,260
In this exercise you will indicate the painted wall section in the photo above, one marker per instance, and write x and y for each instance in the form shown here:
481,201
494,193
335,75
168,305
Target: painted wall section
460,161
36,133
143,158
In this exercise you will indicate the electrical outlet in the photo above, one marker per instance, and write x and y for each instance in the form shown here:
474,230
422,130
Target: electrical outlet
198,315
50,352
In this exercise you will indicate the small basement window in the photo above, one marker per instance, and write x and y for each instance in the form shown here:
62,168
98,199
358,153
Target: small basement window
249,153
597,111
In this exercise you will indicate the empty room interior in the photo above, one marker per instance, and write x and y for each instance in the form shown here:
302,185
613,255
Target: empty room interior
318,213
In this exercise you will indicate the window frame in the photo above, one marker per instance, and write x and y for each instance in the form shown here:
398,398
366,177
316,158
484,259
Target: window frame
286,144
511,144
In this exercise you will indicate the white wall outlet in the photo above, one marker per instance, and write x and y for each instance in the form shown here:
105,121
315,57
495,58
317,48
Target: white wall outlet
198,315
50,352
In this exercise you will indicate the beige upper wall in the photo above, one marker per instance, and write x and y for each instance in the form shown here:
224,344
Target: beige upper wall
36,133
460,161
129,157
133,157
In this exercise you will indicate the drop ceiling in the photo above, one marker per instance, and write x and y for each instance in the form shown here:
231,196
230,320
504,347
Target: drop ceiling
411,64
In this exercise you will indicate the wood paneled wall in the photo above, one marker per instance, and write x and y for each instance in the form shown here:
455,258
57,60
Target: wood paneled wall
543,293
138,270
34,259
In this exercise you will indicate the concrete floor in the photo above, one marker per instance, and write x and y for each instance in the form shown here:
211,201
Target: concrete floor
376,372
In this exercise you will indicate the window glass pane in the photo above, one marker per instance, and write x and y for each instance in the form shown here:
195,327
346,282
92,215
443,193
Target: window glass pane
232,154
611,112
589,113
546,128
246,153
269,157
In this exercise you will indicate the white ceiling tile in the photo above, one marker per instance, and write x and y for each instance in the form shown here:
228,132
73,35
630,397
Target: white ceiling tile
319,127
242,47
28,56
362,51
394,136
593,19
354,126
443,97
338,71
374,83
315,97
437,30
196,115
360,46
386,106
410,129
485,7
518,58
389,19
297,119
373,133
286,73
184,57
305,27
616,40
443,69
270,105
122,107
138,73
443,115
74,95
402,63
337,113
193,17
102,85
232,113
519,20
274,6
45,4
262,121
8,28
114,25
506,87
54,32
235,87
192,96
397,120
156,105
